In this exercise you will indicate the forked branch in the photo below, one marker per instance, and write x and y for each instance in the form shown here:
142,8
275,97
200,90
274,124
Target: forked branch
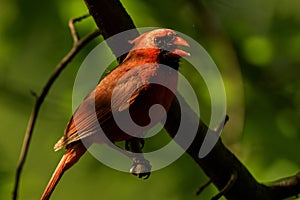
78,44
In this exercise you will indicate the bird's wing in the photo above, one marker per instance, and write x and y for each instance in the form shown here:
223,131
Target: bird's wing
126,91
84,121
115,93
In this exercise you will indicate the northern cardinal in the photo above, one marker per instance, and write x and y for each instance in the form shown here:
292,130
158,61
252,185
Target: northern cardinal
130,84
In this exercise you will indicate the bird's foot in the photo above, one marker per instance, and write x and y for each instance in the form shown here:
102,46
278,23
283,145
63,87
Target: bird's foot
141,168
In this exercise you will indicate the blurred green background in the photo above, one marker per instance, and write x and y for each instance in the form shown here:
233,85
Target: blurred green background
255,44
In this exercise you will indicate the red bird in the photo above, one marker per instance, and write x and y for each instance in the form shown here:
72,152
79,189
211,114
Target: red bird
131,86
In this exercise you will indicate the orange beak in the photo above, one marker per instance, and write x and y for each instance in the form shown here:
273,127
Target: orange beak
178,41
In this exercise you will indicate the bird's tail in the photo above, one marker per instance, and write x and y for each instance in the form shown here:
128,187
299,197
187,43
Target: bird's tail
71,156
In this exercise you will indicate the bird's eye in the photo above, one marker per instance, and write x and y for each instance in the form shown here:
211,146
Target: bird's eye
157,40
165,40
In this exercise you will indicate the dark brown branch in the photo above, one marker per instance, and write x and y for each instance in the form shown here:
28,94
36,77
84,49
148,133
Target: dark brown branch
220,164
112,18
77,46
286,187
226,188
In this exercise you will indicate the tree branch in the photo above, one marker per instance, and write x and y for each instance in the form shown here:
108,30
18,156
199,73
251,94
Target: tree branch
77,46
285,187
112,18
220,164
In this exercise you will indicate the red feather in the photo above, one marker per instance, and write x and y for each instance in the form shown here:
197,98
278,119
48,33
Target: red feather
133,92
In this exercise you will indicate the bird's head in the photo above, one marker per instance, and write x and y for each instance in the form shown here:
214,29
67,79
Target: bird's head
166,40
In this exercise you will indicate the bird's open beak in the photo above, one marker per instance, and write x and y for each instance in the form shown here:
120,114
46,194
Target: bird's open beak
178,41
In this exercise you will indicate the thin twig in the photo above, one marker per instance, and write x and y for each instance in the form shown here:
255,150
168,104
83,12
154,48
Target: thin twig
205,185
73,29
227,187
77,46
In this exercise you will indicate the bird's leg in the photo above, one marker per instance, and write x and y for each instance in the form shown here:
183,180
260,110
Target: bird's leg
135,145
140,167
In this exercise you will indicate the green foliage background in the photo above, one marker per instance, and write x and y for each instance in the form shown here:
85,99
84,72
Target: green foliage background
255,44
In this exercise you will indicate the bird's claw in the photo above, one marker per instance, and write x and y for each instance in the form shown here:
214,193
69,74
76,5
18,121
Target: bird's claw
141,168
